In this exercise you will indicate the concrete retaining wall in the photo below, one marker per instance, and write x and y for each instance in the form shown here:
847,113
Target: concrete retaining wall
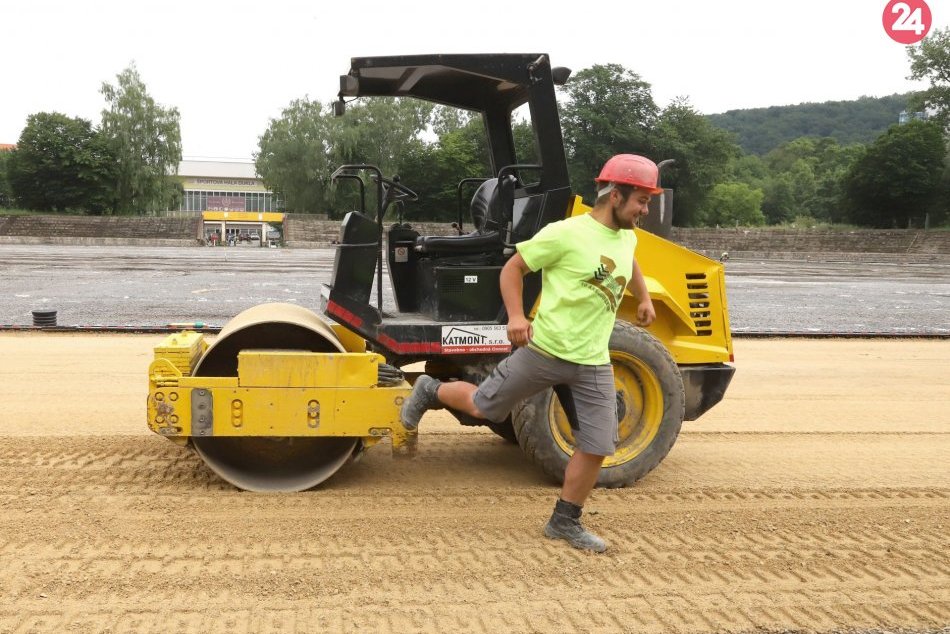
304,231
814,241
99,230
100,241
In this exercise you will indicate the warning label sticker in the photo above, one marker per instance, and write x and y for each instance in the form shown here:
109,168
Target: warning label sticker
475,339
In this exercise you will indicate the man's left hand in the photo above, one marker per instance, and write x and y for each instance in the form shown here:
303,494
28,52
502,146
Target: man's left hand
645,313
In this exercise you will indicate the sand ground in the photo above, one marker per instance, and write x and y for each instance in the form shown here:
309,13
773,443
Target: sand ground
816,497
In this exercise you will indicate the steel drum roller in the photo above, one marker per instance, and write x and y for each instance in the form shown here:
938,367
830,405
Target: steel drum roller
271,463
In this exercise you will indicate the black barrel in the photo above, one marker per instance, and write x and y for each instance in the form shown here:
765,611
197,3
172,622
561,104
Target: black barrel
44,318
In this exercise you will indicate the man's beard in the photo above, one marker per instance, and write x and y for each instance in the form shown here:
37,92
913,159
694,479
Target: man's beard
621,223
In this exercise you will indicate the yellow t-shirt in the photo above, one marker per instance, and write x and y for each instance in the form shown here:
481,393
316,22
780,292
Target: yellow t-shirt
585,267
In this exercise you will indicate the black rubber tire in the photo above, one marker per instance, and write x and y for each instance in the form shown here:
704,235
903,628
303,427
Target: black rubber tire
505,429
536,432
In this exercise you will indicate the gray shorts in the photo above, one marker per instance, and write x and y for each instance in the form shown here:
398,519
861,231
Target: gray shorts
588,396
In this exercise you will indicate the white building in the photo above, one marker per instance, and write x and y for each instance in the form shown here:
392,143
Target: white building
236,207
224,186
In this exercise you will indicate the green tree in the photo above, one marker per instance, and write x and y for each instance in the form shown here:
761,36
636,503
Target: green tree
830,204
447,119
6,191
931,60
761,130
526,146
300,150
381,131
61,163
778,203
804,186
733,203
702,155
146,140
807,176
384,132
940,210
610,110
896,181
749,169
435,170
294,158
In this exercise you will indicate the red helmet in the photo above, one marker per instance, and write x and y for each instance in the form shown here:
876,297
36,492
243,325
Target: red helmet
631,169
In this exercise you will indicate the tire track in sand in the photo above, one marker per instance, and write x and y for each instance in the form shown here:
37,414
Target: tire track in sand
140,528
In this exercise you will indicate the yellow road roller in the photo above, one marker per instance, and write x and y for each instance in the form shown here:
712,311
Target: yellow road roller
285,396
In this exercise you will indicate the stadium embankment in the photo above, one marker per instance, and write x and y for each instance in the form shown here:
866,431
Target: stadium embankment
100,230
899,245
304,231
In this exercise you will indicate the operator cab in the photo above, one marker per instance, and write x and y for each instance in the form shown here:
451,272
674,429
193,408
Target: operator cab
445,283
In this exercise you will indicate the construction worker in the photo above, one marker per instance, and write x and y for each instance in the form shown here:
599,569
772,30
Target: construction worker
586,262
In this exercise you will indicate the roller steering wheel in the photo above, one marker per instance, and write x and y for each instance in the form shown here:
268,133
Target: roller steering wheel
402,192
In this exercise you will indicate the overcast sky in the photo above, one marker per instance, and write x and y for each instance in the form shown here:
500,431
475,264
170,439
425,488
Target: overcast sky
230,67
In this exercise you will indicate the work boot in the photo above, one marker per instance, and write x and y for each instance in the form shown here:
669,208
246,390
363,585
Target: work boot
424,397
565,524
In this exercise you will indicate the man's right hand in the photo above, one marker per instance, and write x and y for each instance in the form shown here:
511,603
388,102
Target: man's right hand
519,331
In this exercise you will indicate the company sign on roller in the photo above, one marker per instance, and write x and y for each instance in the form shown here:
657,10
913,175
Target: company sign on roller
475,339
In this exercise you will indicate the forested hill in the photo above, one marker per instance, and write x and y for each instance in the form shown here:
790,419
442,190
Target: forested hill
759,130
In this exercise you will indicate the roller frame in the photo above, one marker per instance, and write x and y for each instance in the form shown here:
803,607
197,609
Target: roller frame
320,394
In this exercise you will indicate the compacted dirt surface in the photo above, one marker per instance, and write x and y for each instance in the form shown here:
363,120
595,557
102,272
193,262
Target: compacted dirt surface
816,497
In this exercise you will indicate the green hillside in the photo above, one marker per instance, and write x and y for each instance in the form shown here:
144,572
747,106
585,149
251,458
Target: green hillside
759,130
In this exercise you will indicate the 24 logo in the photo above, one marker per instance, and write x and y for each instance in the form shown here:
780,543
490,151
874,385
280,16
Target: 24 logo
907,21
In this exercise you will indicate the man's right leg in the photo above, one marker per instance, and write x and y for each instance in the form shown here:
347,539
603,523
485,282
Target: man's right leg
429,393
460,395
424,396
516,378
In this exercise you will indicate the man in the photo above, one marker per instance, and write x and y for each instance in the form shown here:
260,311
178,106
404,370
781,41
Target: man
586,262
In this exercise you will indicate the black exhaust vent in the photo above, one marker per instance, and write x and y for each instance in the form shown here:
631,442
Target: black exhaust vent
697,290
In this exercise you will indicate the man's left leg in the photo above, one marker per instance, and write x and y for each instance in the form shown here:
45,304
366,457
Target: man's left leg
591,403
581,476
565,523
